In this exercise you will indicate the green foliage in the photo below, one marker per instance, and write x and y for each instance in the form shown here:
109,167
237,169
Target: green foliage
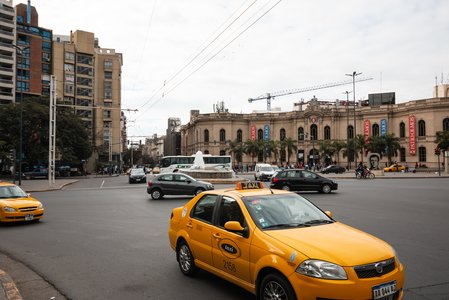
237,150
442,140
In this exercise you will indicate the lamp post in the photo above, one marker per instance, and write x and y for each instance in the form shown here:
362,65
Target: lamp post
313,151
353,75
347,127
19,50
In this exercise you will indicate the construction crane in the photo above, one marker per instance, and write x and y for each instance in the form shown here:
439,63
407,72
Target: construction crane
270,96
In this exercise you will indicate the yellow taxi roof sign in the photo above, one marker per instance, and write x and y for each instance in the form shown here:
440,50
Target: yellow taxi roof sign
249,185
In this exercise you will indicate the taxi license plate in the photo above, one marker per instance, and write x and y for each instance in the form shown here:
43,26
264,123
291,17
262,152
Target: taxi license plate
382,291
29,217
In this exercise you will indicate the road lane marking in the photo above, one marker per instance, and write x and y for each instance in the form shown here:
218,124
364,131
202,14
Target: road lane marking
101,186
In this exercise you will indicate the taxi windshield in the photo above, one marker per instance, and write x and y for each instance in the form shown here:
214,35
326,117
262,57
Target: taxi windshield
11,192
280,211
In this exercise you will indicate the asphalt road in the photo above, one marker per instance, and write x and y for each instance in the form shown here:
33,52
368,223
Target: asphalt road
102,238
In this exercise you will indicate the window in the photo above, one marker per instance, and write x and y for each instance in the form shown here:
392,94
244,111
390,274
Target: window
402,154
375,130
84,70
108,90
206,151
446,124
422,154
108,64
421,128
313,132
300,134
350,132
239,136
204,208
222,152
69,88
69,68
260,135
107,75
206,135
69,56
327,133
107,114
402,130
83,81
230,211
84,92
222,135
84,59
282,134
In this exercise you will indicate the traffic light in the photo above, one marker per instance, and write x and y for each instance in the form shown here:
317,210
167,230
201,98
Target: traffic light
437,151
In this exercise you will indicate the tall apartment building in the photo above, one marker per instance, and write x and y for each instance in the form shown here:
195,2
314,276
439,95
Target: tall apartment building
34,52
88,79
7,51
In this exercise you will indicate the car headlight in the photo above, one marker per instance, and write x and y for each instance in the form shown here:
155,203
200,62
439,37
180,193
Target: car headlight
9,209
321,269
40,206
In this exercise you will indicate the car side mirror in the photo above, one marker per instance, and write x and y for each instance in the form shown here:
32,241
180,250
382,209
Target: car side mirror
233,226
328,213
188,181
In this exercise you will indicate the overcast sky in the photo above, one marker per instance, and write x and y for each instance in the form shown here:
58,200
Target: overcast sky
180,55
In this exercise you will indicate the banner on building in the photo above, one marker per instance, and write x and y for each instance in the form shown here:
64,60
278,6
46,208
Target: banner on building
366,129
383,127
266,132
412,134
253,132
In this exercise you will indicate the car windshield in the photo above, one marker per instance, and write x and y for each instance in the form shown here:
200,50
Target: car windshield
137,172
268,169
277,211
11,192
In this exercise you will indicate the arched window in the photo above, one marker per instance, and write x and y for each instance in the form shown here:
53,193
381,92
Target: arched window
421,128
422,154
446,124
206,135
222,135
239,136
327,133
282,134
260,156
375,130
222,152
402,130
300,134
350,132
259,134
313,132
206,151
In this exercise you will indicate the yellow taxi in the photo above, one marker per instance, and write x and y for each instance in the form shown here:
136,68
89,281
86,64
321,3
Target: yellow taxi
278,245
16,205
394,168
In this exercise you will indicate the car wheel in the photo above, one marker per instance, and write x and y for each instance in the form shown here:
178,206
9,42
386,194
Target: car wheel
199,191
371,176
326,188
185,259
286,188
275,286
156,194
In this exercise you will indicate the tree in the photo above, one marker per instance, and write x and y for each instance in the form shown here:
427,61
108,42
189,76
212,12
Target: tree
338,146
328,150
392,145
288,145
442,140
236,149
361,145
274,149
251,147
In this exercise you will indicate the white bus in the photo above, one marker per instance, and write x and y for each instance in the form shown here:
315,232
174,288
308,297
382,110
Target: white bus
169,163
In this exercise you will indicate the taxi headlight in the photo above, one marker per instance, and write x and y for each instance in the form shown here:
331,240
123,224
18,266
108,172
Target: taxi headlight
321,269
40,206
9,209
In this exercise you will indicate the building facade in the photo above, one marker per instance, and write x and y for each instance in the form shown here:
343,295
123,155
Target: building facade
88,79
7,52
415,123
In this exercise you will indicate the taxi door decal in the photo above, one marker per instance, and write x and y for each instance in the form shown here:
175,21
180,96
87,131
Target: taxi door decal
229,249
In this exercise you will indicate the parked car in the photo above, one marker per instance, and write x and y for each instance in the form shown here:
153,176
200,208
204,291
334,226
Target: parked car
36,173
137,175
176,184
333,169
302,180
16,205
394,168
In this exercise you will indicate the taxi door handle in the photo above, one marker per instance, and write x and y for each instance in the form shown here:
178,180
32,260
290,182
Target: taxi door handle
217,236
189,225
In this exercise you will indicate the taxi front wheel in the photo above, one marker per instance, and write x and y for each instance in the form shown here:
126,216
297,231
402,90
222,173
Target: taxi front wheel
275,286
186,260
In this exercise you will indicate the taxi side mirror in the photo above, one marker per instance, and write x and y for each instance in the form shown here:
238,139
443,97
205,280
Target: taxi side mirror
328,213
233,226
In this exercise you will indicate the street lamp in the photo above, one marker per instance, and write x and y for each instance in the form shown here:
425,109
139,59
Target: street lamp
347,126
313,151
353,75
19,50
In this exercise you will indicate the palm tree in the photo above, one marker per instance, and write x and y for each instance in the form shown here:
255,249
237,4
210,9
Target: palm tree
251,147
288,145
235,148
361,145
274,149
327,149
338,146
442,140
392,145
348,150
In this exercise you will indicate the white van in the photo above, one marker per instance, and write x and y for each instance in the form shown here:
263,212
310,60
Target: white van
263,172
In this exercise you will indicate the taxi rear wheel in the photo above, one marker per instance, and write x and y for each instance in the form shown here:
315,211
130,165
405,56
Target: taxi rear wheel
186,260
275,287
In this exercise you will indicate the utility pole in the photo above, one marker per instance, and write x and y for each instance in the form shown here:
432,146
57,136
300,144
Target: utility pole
52,133
353,75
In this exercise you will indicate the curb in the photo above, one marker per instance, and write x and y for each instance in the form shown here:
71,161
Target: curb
9,288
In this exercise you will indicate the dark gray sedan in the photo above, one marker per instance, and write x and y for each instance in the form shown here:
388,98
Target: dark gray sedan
302,180
176,184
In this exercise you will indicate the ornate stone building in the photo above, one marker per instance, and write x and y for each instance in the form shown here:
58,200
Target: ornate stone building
415,123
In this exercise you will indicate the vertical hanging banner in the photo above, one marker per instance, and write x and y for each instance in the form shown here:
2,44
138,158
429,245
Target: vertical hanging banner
266,132
253,132
366,129
412,134
383,127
